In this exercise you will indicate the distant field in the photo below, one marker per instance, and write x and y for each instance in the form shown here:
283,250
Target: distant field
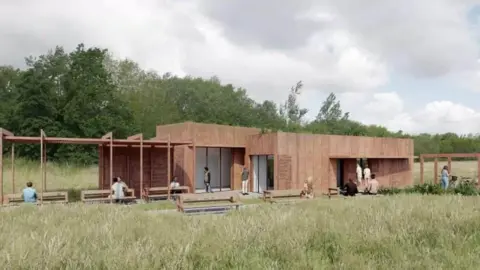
64,177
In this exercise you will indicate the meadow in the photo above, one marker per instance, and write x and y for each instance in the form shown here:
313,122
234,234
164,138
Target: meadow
390,232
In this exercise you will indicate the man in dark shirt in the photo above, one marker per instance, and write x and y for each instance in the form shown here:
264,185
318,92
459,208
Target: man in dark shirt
206,180
351,188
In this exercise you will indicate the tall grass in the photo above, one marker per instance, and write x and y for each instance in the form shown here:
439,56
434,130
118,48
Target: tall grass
400,232
64,176
391,232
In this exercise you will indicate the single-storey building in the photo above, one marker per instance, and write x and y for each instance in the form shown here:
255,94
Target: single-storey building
276,160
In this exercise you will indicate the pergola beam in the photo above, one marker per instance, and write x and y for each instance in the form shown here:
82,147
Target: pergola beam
104,140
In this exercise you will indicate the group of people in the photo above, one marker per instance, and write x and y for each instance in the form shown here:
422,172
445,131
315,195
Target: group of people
365,178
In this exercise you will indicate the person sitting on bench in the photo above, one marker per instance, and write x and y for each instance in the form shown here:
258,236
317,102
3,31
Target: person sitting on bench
174,185
118,189
307,191
351,188
29,194
372,186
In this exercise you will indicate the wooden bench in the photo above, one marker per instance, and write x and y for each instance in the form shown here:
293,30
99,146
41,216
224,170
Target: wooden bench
207,200
47,198
103,196
283,195
157,193
333,192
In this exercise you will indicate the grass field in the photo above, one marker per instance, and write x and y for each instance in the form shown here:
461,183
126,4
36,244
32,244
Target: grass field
401,232
391,232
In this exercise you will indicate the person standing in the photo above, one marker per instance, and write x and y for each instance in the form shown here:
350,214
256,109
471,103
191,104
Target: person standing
445,175
206,180
366,174
245,174
359,174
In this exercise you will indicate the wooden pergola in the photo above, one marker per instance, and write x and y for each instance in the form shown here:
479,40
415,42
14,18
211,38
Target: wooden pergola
449,161
106,140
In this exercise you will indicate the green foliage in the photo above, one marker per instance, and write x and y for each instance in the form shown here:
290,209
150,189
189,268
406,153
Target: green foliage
87,93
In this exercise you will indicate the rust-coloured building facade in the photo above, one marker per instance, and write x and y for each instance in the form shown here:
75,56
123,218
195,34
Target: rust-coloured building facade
276,160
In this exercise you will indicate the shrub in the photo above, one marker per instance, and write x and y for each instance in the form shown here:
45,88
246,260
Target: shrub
465,189
389,191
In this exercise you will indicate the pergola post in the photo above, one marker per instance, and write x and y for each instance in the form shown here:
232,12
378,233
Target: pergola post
478,169
42,161
168,167
422,160
13,168
110,137
194,163
450,166
435,171
1,163
3,133
141,165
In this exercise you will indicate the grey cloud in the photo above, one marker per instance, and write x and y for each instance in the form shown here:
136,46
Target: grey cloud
422,38
268,23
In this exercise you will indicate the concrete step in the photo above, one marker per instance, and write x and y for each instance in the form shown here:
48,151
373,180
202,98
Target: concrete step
208,210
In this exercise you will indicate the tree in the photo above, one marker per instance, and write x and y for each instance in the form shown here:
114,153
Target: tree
291,111
87,93
331,111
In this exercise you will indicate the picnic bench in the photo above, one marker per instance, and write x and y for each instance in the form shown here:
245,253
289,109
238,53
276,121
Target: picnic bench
158,193
103,196
287,195
45,198
207,200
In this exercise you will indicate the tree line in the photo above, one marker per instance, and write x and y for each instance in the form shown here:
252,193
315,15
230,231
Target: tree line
87,93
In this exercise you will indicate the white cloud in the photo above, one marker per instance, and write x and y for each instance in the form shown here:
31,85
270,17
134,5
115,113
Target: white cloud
437,116
267,46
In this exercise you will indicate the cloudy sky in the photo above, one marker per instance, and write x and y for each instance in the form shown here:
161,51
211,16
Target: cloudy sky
410,65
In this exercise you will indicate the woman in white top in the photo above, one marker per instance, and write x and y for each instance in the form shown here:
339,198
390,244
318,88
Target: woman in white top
359,174
367,174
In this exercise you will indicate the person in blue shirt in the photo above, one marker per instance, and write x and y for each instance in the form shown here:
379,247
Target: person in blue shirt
445,176
29,193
